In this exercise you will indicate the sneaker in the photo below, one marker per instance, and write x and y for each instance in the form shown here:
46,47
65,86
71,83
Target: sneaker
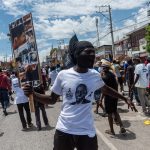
122,130
47,125
138,104
39,128
30,125
104,114
24,129
5,112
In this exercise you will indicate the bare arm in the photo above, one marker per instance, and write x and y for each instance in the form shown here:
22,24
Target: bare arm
111,92
106,90
136,79
42,98
45,99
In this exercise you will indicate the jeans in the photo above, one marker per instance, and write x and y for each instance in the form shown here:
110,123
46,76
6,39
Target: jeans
38,107
65,141
21,114
135,93
143,98
4,98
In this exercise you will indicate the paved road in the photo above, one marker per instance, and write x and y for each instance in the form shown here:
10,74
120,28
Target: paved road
13,138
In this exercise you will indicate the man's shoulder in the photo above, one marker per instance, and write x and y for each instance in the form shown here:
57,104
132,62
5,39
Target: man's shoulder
93,71
138,66
65,71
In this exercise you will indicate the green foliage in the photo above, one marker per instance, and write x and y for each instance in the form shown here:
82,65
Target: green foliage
147,37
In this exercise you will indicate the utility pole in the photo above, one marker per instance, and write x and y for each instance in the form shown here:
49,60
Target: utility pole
111,31
98,41
110,21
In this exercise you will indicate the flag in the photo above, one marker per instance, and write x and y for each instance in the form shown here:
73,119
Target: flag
70,60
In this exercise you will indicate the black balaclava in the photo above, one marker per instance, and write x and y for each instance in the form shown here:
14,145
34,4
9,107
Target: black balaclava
84,61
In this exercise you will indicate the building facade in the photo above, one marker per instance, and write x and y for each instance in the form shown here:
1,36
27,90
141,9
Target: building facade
103,51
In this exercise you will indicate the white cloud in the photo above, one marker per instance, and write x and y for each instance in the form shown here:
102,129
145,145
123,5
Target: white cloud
54,19
128,4
3,36
43,54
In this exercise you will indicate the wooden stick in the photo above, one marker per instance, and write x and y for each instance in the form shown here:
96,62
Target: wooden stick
31,103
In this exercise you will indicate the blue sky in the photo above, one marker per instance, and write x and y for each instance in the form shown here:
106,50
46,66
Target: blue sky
57,19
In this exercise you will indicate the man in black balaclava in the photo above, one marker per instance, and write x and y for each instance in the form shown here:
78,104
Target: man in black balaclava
84,60
75,126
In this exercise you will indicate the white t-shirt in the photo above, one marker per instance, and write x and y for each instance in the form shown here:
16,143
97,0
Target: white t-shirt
116,69
19,97
100,69
142,71
52,75
78,91
148,69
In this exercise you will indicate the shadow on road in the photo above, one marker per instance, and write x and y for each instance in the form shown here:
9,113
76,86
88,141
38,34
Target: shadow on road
120,110
34,128
129,135
47,128
49,107
120,104
126,123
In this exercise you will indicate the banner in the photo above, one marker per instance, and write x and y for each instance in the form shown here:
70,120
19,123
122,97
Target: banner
24,46
25,52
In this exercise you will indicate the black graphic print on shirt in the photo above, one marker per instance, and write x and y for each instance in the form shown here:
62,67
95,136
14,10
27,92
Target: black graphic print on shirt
81,92
69,94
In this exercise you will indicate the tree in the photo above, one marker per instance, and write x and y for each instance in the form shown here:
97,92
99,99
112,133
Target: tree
147,37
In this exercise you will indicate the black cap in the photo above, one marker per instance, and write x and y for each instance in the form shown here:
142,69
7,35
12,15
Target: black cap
82,45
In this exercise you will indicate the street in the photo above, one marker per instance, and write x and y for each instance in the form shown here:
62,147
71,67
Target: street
137,137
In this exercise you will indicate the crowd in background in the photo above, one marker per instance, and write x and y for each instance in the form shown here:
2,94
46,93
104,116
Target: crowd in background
132,72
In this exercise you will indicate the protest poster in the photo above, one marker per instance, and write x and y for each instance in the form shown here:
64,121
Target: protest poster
25,49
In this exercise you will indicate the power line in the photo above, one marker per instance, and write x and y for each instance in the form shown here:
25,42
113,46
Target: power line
129,26
128,17
104,36
110,21
107,2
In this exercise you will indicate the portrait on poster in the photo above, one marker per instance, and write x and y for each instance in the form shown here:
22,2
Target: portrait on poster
23,41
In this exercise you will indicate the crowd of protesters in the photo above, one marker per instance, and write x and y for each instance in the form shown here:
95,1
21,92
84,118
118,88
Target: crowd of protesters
136,74
80,85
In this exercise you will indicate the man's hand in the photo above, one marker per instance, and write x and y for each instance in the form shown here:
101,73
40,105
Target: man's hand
131,105
27,89
132,87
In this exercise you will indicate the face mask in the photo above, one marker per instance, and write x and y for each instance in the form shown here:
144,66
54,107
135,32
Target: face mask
85,61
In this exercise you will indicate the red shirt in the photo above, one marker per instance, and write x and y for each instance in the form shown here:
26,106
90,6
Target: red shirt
4,82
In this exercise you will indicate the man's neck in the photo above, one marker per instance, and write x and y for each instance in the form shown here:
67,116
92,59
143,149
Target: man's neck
80,70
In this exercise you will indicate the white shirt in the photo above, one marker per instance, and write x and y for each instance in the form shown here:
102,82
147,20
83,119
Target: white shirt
19,97
142,71
52,75
78,91
100,69
116,69
148,69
